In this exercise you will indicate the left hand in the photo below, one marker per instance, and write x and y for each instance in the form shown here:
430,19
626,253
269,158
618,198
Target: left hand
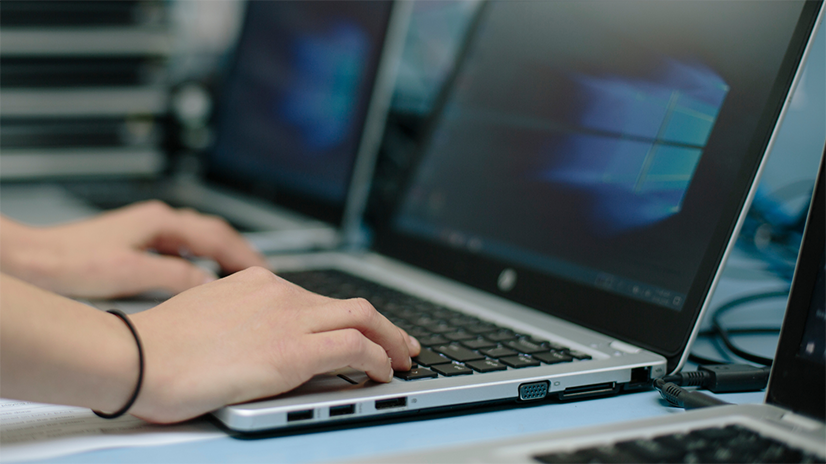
109,255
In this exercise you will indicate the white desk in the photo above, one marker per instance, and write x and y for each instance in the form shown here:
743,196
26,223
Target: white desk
372,441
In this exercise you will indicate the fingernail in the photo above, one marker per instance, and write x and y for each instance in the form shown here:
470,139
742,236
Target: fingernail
414,342
390,378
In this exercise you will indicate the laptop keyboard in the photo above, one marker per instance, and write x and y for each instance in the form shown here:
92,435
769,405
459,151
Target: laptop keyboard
453,343
715,444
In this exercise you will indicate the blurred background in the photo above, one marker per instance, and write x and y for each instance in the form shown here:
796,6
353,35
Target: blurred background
125,89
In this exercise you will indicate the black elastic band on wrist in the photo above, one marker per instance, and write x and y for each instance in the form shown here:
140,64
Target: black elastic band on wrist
134,396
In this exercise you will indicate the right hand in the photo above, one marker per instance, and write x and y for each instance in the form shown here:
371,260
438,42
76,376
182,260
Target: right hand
253,335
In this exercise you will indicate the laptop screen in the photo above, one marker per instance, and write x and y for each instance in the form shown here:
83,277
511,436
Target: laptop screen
798,379
292,108
812,346
591,158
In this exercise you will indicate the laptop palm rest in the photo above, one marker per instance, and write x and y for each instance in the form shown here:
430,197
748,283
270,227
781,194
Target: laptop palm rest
335,381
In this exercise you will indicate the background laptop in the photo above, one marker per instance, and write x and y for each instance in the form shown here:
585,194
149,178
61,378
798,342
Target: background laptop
792,417
529,253
298,119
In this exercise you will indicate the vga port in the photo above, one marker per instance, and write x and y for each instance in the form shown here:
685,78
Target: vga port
533,390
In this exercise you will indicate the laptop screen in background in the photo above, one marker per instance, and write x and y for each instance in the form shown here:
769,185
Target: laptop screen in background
813,344
594,141
292,107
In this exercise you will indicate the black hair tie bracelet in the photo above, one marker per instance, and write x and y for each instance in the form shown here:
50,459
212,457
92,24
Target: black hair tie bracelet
134,396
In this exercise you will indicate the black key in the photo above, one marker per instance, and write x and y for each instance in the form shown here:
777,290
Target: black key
433,340
676,440
501,336
401,310
783,453
417,373
720,433
552,357
810,459
458,353
486,365
524,346
418,332
519,361
482,328
422,320
478,343
378,300
498,352
718,454
451,369
651,451
579,355
460,321
427,357
439,328
459,336
554,346
444,313
401,323
564,458
609,454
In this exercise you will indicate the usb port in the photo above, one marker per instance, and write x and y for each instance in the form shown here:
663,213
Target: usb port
391,403
299,415
343,410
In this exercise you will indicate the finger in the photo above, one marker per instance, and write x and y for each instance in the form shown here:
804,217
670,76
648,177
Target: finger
152,272
358,314
206,236
413,345
328,351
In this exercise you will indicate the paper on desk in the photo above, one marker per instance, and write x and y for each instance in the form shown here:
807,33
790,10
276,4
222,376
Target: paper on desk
39,431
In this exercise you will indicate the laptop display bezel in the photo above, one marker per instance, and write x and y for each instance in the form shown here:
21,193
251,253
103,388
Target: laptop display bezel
798,383
664,331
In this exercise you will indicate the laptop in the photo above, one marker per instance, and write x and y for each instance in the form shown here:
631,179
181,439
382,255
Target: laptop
297,123
582,181
789,427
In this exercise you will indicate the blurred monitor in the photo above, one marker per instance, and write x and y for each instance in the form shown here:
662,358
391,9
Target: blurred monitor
292,111
434,37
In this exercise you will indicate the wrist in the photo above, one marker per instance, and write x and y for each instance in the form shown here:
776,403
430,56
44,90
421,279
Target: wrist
112,371
56,350
25,254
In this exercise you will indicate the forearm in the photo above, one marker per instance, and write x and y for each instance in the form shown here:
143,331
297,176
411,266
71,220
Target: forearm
57,350
12,239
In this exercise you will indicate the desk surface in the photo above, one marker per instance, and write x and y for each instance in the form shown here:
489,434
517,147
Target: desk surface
374,441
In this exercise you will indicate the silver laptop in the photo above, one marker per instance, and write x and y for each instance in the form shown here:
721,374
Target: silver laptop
297,123
789,427
583,179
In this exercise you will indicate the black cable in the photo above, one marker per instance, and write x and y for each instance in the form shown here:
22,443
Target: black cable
723,378
723,334
685,398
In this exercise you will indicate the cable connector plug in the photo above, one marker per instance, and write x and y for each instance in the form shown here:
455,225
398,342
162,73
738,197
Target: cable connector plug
723,378
683,398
